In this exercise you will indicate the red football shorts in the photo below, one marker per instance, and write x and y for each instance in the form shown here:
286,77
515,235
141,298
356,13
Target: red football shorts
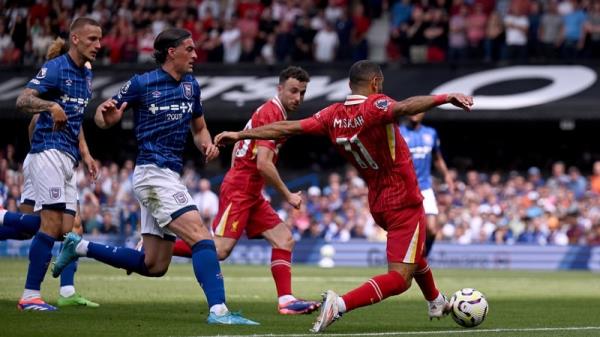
405,233
239,212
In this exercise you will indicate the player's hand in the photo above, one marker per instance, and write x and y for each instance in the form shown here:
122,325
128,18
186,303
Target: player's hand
462,101
295,199
226,137
210,152
58,117
110,112
92,167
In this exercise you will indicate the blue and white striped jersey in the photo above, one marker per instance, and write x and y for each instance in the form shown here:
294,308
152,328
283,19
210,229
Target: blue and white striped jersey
422,142
60,80
163,109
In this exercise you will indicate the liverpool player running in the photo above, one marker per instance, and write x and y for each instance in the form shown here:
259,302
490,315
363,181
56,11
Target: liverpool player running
241,204
363,128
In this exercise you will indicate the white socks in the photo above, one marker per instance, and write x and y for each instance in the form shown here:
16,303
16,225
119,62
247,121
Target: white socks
67,291
219,309
286,298
2,213
29,294
82,248
341,305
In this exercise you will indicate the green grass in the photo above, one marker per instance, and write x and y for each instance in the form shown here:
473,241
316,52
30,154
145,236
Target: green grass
175,306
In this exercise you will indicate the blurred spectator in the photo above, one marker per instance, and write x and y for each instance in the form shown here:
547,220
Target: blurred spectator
476,29
231,40
207,202
494,38
517,27
572,32
108,226
592,31
326,43
457,38
549,31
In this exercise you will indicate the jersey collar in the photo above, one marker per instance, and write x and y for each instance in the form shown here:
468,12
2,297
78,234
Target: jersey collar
280,106
354,99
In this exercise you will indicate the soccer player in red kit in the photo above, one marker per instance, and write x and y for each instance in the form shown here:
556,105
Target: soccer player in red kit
363,129
241,204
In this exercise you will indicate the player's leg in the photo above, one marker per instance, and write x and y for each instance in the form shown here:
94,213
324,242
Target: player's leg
282,244
423,276
18,226
151,261
431,212
68,296
405,238
40,253
49,186
21,225
188,226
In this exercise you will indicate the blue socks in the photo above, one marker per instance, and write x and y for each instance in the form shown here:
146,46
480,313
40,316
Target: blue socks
67,277
126,258
40,254
208,271
19,226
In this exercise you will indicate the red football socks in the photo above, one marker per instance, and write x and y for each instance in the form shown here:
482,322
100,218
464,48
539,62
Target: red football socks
375,290
281,268
424,279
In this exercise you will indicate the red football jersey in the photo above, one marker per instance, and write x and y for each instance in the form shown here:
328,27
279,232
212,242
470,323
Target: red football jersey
243,172
364,131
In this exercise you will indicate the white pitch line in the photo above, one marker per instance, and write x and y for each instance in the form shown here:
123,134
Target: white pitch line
411,333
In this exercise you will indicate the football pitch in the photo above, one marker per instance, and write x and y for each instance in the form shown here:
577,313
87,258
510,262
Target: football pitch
521,303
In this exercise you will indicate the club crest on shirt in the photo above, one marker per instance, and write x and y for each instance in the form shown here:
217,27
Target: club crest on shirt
427,139
187,90
54,193
382,104
42,73
180,198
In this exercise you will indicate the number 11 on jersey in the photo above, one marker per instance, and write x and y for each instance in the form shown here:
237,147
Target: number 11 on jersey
348,142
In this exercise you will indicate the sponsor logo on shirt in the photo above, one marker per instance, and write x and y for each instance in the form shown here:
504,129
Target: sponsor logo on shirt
156,94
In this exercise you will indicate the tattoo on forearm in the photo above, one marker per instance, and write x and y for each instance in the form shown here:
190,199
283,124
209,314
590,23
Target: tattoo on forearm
29,103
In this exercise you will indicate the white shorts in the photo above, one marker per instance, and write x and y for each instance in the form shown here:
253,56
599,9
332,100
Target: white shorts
28,194
52,174
429,203
163,198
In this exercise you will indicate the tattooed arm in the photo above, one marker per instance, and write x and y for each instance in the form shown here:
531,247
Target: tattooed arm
29,102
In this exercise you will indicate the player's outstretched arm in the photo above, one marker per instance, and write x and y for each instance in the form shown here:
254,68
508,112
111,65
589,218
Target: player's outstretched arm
418,104
107,113
30,103
202,139
275,130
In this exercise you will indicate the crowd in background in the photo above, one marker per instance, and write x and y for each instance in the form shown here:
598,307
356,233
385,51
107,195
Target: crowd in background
278,31
503,208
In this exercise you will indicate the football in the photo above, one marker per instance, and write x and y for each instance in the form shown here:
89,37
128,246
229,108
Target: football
469,307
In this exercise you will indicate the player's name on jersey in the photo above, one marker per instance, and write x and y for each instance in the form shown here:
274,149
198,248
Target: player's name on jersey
348,123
